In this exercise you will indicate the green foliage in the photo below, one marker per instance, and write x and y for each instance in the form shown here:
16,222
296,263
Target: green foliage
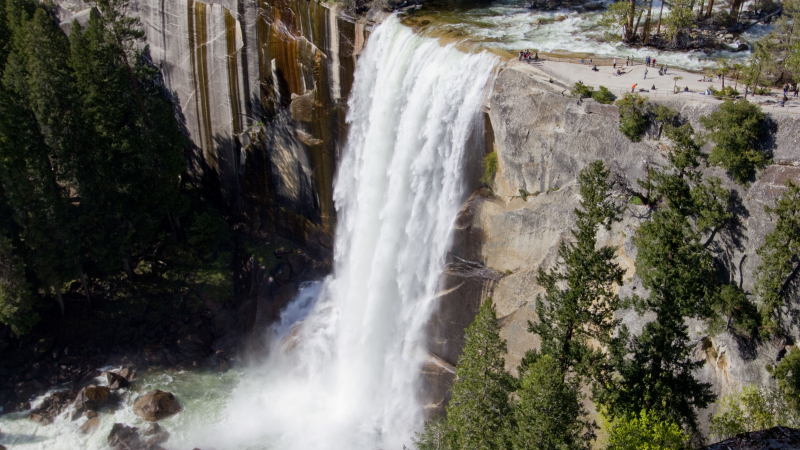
207,231
603,95
581,90
646,431
726,92
680,19
734,313
549,411
636,200
655,369
17,301
434,436
779,254
632,115
479,406
615,21
91,158
737,128
788,375
490,165
579,301
751,409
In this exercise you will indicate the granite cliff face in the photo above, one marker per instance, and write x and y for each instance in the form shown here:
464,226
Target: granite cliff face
261,88
543,140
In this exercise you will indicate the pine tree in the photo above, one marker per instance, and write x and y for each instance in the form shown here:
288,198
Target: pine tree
654,370
17,300
135,147
479,406
579,301
548,415
29,167
780,255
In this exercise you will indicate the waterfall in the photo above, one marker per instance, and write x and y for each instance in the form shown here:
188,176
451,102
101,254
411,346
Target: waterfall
347,377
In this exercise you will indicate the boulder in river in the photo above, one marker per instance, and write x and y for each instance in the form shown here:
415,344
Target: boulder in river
90,425
115,380
91,398
123,437
156,405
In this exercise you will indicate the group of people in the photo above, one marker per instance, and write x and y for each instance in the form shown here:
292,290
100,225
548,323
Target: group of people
526,55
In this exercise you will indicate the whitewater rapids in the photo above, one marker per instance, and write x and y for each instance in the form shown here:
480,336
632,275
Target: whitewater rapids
344,368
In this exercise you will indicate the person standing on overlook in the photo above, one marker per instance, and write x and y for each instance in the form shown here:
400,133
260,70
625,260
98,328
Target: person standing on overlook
645,74
615,63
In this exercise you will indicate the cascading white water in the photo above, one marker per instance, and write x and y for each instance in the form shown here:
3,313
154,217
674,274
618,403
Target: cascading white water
346,356
349,380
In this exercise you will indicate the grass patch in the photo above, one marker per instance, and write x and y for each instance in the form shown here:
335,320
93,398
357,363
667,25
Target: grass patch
489,168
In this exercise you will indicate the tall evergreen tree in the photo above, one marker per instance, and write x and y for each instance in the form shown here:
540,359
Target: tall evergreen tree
29,167
129,180
479,406
579,300
549,413
780,255
654,369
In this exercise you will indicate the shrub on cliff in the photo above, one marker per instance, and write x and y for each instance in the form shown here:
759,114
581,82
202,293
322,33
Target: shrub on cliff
489,168
646,431
581,90
787,373
632,116
751,409
604,96
737,129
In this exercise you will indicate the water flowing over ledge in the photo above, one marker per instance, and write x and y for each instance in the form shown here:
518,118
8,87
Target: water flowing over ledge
350,378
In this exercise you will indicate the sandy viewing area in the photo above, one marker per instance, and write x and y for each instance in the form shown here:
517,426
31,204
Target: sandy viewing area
569,73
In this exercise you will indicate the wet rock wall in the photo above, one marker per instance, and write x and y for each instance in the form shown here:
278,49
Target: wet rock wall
260,87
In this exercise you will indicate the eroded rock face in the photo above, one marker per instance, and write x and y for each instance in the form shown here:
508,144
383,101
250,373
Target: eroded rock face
543,141
261,89
156,405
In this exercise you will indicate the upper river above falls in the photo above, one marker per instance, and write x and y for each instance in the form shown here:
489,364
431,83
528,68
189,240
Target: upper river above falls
508,26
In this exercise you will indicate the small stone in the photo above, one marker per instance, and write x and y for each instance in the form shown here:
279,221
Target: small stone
157,439
128,373
116,381
90,425
152,429
91,414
